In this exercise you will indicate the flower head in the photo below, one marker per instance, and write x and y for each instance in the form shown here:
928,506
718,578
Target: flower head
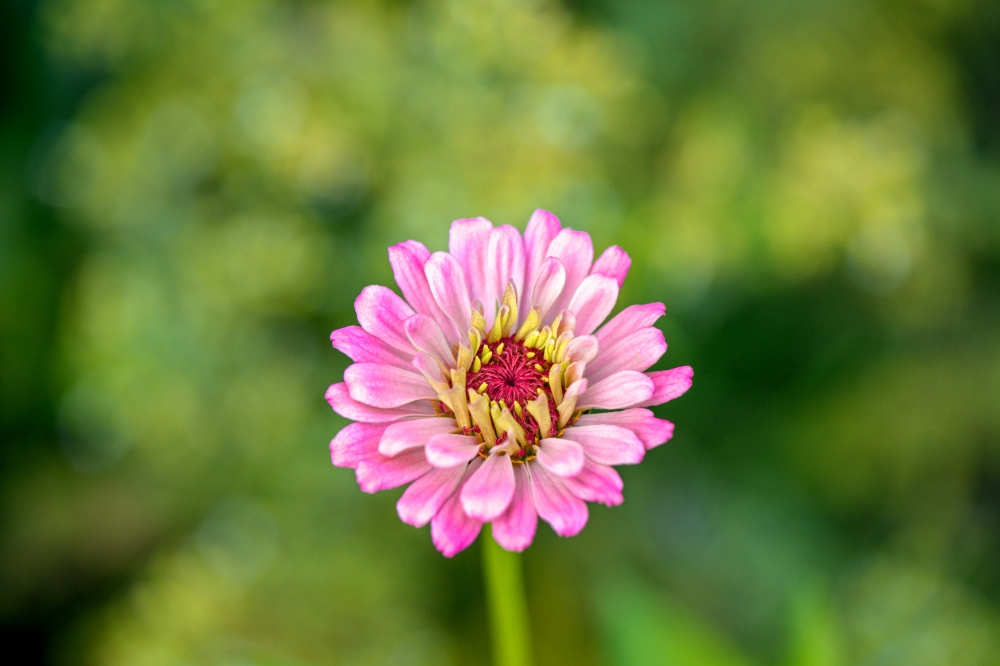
489,384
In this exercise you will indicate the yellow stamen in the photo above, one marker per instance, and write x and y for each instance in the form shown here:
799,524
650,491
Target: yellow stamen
539,368
530,324
518,410
504,421
555,383
478,322
565,410
499,349
497,331
530,355
561,344
479,408
486,355
476,364
465,357
554,327
543,337
539,409
476,339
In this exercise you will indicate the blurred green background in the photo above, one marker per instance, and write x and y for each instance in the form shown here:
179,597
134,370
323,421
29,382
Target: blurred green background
192,192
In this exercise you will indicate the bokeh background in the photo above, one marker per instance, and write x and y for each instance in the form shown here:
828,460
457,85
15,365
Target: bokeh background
192,192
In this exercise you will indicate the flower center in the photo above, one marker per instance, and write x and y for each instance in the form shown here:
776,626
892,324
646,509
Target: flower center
512,376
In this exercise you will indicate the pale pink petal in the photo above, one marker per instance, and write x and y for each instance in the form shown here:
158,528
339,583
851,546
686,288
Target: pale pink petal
413,433
354,443
667,385
576,252
549,283
564,511
487,493
381,473
382,313
428,366
363,347
613,262
622,389
451,529
515,529
593,301
469,243
447,283
408,260
628,321
506,262
542,228
650,430
597,483
637,351
560,456
577,388
425,335
606,444
582,348
426,495
340,399
450,450
385,386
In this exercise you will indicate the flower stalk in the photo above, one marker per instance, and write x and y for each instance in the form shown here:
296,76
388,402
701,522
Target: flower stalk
503,576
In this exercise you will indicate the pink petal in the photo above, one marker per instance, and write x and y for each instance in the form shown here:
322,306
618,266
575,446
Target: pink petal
408,260
668,384
549,283
342,402
385,385
426,495
451,529
354,443
403,435
607,444
381,473
449,450
622,389
628,321
564,511
593,302
363,347
542,228
613,262
515,529
582,348
447,283
382,313
576,252
506,262
425,335
560,456
487,493
637,351
597,483
469,242
650,430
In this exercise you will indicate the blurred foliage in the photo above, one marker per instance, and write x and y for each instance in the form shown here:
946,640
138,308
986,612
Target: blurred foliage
193,192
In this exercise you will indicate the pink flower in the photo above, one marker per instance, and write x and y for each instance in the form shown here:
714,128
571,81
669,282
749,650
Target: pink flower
479,387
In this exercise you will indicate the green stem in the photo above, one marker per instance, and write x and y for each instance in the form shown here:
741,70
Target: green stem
508,610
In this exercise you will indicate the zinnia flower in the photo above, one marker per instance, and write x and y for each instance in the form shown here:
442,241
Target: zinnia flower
489,384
